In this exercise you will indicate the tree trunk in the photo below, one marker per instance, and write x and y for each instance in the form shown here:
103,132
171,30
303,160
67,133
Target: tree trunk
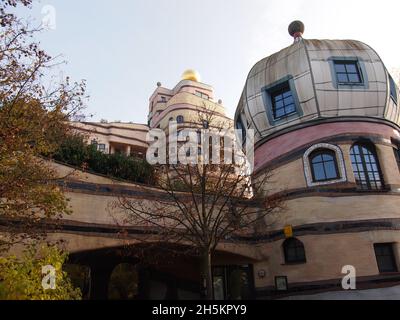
207,283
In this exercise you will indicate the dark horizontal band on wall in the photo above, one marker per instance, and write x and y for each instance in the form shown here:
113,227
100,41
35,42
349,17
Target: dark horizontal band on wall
138,191
323,228
345,189
308,288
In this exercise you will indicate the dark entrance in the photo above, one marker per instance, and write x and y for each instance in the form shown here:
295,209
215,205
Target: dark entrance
233,282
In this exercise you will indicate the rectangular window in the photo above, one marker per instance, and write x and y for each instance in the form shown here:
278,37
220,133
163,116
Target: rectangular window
283,103
393,89
348,72
101,147
396,151
202,95
385,257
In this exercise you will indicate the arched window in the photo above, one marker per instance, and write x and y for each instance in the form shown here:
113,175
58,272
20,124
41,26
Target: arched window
171,119
179,119
366,166
324,165
294,251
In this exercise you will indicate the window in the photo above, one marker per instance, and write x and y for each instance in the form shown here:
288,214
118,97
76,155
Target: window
348,72
294,251
239,126
102,147
396,151
199,137
202,95
205,124
385,257
283,102
179,119
324,165
366,167
163,99
171,119
393,89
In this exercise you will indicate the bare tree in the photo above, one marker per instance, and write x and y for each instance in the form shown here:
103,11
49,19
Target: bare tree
206,203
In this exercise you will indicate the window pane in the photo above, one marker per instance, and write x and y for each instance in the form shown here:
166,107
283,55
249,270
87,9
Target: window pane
290,109
353,77
279,113
317,159
351,68
279,104
342,77
339,67
327,157
330,170
319,173
289,100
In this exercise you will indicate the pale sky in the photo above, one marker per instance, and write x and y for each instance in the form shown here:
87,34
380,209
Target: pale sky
124,47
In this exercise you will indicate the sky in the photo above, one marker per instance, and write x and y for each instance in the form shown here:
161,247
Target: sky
122,48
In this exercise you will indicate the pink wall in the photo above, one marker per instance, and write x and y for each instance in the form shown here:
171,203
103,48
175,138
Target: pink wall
278,146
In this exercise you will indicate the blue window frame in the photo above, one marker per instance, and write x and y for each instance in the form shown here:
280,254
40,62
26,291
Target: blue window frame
393,89
281,101
348,72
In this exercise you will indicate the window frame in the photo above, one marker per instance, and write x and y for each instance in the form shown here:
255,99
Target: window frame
239,125
323,151
267,93
360,68
339,161
371,148
298,244
281,92
180,119
392,256
101,147
393,87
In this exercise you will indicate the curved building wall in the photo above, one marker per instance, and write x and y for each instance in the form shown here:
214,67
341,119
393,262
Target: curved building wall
308,65
337,221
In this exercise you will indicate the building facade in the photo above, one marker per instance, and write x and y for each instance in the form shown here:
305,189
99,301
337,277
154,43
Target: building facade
327,127
326,118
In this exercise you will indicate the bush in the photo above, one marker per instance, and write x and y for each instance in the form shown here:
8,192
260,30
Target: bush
21,278
76,152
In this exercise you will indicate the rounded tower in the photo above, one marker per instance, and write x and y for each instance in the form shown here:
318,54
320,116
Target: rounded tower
326,120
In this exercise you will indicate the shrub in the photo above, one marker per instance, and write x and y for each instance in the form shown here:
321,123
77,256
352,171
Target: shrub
21,278
76,152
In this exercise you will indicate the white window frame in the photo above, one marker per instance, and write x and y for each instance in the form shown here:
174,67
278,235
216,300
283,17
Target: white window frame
308,165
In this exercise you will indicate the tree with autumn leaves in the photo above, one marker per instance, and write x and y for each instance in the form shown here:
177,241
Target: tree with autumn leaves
33,121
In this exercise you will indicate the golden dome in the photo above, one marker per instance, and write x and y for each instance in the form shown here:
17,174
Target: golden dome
192,75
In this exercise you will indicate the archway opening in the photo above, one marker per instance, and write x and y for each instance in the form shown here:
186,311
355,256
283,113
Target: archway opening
124,282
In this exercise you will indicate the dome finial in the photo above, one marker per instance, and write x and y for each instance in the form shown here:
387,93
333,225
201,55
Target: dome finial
296,30
192,75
